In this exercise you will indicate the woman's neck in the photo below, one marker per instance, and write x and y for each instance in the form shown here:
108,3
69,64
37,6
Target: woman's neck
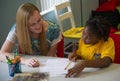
36,36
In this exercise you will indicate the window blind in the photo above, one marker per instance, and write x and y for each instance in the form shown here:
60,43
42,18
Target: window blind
46,6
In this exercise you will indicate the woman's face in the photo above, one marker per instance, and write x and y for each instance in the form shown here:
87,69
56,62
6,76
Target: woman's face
35,23
88,37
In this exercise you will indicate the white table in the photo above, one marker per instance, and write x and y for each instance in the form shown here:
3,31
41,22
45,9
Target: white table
111,73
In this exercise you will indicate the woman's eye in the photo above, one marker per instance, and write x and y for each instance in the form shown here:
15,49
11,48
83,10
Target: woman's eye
32,24
39,20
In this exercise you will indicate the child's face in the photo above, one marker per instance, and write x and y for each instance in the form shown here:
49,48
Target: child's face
88,37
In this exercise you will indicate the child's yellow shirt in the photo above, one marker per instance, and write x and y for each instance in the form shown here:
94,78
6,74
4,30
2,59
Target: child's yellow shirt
99,50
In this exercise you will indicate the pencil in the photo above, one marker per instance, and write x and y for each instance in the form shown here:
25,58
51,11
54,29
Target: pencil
69,63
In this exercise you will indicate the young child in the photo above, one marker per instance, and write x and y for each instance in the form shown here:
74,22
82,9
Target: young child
96,48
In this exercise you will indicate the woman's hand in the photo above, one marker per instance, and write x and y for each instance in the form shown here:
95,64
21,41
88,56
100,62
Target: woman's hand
75,71
33,62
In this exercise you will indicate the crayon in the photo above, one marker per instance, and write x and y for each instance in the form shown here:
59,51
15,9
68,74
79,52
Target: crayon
15,54
8,60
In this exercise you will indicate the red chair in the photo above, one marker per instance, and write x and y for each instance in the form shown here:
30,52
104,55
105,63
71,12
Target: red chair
116,38
60,48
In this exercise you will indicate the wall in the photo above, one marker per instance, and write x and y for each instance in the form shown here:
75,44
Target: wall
76,8
87,7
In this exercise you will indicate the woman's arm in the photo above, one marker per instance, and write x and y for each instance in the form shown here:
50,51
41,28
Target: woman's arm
6,49
52,50
54,36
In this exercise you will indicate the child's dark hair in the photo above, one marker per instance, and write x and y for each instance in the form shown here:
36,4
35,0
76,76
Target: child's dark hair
99,27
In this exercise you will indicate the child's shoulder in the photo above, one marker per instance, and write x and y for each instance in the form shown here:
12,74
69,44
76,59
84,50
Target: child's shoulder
110,39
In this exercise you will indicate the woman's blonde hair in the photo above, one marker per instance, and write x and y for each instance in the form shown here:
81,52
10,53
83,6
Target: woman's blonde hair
23,14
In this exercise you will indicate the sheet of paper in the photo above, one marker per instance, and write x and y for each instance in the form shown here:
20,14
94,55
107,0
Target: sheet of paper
56,67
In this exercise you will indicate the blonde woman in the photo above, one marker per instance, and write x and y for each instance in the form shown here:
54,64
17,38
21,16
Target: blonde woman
32,35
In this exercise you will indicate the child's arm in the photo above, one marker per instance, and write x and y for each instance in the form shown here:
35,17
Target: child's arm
97,63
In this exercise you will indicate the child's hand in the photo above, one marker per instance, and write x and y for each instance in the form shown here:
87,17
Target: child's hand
75,71
72,56
33,62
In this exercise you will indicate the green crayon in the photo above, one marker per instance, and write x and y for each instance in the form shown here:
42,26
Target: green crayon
8,60
15,54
